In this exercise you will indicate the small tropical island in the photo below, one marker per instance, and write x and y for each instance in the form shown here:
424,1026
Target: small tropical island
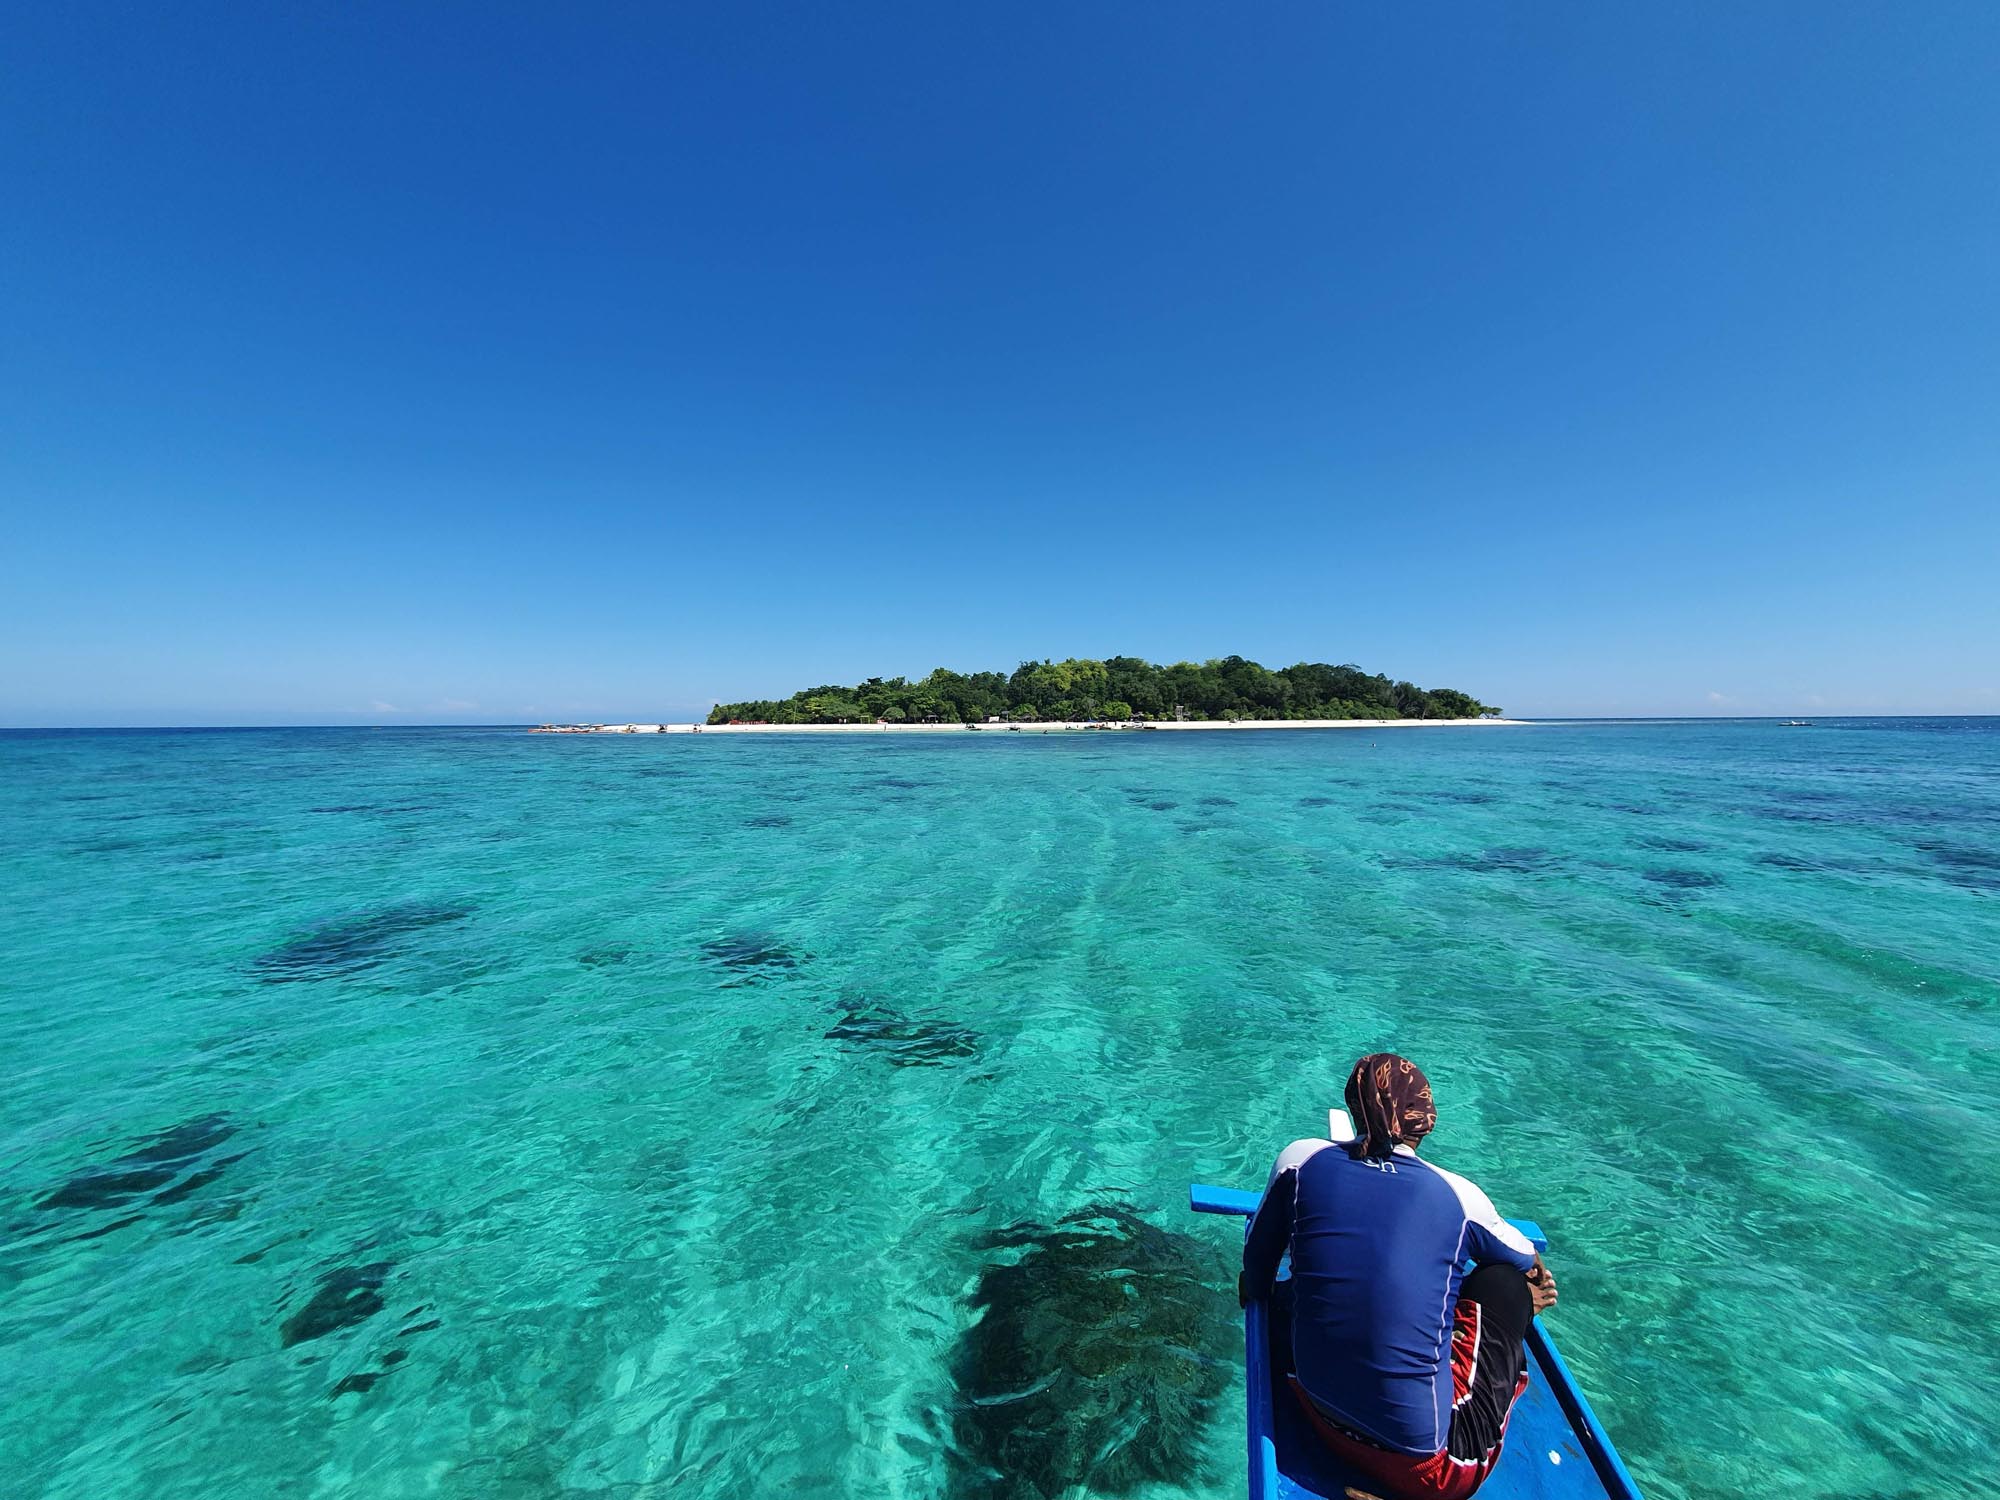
1119,689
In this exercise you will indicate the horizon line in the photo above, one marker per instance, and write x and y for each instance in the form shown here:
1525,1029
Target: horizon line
531,724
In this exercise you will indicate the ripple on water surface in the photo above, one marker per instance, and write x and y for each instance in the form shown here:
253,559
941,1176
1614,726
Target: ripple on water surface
489,1115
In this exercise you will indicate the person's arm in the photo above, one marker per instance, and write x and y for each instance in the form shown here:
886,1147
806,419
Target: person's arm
1270,1233
1271,1228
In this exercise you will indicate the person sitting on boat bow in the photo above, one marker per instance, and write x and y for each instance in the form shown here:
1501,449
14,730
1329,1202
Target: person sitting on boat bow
1406,1365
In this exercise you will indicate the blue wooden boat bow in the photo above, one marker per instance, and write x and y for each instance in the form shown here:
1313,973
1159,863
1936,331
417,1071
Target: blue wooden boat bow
1556,1449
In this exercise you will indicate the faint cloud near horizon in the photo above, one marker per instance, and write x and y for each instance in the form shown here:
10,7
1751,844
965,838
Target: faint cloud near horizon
458,705
1719,698
377,706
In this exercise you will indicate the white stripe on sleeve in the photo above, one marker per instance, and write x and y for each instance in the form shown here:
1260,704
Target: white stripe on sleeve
1478,1209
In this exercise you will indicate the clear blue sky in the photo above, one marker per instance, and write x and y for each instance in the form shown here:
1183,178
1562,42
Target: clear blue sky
419,363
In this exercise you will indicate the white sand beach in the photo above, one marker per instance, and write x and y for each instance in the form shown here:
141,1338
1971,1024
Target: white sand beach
1033,727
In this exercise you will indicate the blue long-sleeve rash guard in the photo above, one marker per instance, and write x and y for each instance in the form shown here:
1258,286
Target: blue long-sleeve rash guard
1378,1251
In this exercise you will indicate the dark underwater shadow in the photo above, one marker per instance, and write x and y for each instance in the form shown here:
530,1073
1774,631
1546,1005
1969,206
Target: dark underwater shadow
1101,1348
350,945
751,956
1683,880
345,1296
1507,859
1671,845
159,1172
904,1041
1964,865
155,1163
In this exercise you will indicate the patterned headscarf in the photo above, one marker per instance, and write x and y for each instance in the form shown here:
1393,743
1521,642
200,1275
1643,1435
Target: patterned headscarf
1390,1102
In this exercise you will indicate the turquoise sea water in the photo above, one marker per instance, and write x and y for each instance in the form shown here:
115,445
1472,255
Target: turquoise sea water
471,1113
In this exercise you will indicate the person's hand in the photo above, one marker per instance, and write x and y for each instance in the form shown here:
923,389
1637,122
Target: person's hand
1541,1287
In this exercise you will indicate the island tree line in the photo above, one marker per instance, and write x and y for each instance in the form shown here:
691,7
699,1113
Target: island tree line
1119,687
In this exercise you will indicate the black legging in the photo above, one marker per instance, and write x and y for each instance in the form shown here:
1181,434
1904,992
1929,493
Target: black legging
1505,1310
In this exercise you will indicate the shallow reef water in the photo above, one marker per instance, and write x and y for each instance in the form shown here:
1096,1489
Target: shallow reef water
906,1041
345,1295
157,1162
1098,1355
753,955
480,1115
347,945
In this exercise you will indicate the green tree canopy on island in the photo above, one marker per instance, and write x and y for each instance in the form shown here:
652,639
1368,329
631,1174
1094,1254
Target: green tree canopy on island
1119,687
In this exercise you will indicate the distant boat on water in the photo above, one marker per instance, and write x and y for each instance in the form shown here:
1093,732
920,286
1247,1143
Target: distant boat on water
1796,724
